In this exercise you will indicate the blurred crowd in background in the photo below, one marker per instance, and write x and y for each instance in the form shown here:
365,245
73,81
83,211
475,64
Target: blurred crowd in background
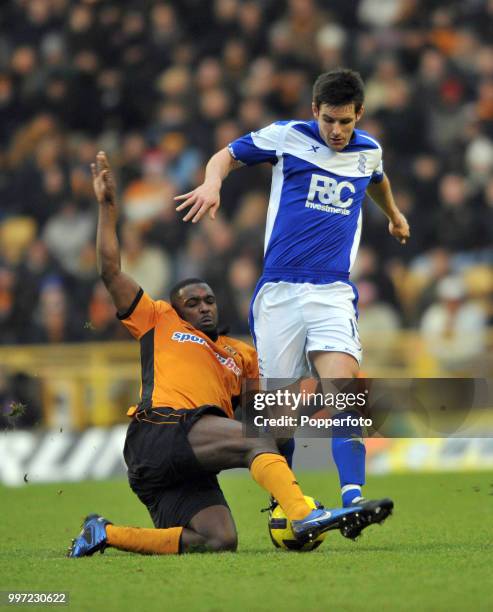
160,86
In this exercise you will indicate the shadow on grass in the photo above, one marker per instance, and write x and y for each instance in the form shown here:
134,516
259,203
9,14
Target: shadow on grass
423,548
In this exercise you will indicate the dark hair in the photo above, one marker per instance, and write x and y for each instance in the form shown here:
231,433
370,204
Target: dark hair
173,294
339,87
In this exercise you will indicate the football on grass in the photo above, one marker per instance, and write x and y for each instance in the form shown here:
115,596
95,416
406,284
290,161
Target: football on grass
282,535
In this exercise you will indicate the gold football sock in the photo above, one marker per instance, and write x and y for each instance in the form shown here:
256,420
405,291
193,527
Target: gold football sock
145,541
272,473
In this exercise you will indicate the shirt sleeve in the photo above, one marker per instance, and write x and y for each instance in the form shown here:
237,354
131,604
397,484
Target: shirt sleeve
377,175
143,314
250,362
258,147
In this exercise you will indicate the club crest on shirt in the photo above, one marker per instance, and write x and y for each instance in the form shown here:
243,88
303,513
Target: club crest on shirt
230,349
362,163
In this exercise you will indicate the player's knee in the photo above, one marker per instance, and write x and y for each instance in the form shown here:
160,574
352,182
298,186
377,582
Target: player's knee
224,542
215,541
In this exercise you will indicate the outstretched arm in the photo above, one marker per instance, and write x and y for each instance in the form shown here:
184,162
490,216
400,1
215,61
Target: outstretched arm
381,194
122,288
206,197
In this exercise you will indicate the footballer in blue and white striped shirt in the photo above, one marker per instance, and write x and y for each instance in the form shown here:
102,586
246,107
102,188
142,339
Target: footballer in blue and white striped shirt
303,314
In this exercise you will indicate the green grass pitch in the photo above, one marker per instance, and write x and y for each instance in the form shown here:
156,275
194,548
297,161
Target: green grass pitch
434,554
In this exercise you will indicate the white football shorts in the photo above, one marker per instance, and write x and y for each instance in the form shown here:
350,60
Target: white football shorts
292,319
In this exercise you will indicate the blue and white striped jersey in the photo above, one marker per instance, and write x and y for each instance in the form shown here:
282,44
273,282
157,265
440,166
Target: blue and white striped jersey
314,218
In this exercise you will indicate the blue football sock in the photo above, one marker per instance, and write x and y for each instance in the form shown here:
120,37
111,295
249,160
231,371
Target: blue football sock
350,494
349,455
287,451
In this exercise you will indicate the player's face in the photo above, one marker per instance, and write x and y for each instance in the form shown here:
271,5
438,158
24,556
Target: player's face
197,305
336,123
